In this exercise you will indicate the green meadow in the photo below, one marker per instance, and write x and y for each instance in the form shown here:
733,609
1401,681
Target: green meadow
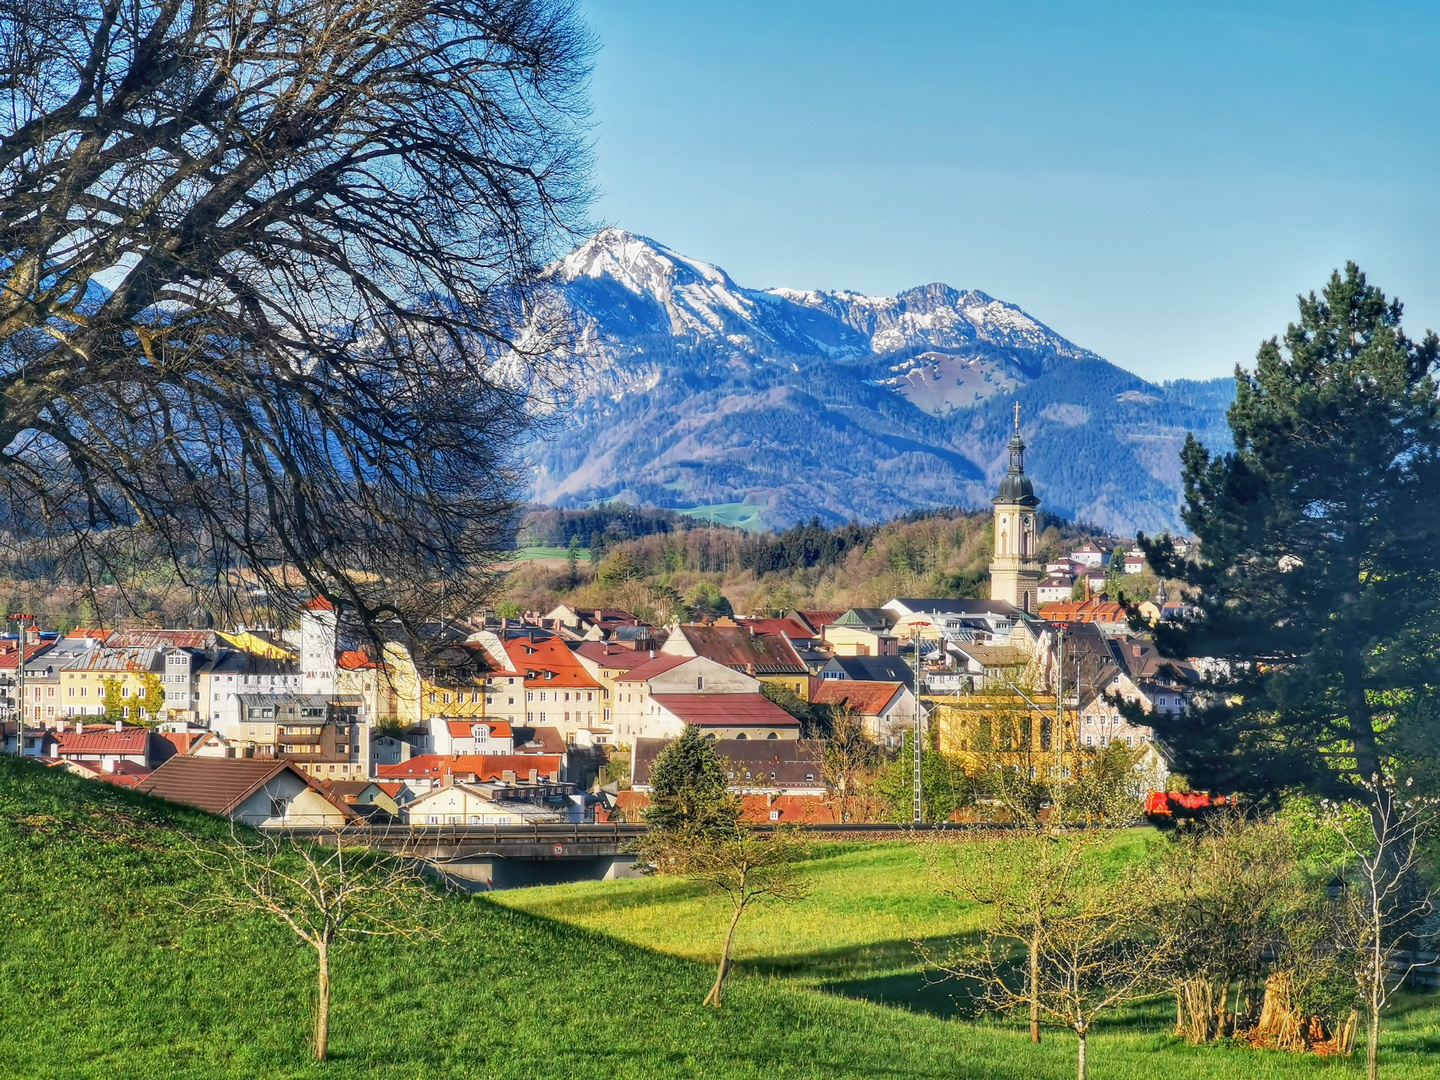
106,972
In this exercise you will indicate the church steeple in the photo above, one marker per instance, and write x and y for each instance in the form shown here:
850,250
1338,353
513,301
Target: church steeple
1015,569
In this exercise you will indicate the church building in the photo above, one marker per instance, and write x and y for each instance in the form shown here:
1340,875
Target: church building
1015,571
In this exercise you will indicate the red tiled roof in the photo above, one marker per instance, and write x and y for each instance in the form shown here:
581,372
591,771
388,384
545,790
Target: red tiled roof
652,667
11,653
218,785
539,740
102,740
1094,610
160,639
353,660
484,767
183,741
809,809
740,648
866,698
721,710
755,809
615,657
550,655
789,627
460,729
821,619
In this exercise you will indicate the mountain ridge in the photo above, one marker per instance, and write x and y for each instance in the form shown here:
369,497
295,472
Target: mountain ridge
693,390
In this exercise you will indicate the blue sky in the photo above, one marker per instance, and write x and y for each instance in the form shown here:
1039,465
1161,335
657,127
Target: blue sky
1154,181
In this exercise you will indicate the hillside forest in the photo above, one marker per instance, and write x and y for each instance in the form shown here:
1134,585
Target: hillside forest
688,570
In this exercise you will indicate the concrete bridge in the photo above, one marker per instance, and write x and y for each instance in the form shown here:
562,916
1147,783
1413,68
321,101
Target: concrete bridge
482,857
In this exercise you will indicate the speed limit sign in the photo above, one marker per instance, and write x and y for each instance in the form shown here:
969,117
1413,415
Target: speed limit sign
558,849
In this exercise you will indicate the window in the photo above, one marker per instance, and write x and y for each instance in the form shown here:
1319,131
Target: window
125,712
278,807
125,690
774,815
542,695
529,695
699,682
447,697
810,777
589,695
432,697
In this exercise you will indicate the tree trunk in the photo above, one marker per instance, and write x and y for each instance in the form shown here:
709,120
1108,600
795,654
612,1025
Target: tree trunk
1372,1046
716,991
1035,989
322,1004
1080,1066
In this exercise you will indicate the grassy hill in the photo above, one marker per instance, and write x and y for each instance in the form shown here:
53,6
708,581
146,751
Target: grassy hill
105,974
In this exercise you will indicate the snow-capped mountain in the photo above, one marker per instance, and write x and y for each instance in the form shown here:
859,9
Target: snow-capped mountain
693,390
629,285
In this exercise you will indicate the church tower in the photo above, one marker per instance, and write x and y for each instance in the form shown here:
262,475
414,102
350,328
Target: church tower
1015,570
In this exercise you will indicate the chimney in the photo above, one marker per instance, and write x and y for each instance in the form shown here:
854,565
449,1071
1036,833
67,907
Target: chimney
107,765
79,727
534,776
508,776
119,725
60,726
652,654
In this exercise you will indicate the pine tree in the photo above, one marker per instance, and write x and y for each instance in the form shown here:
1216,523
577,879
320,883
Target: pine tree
688,788
1319,568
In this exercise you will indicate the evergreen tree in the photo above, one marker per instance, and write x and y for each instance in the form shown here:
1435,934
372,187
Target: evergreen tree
687,787
1319,570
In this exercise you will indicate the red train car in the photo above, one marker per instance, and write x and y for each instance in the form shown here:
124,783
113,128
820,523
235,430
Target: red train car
1166,808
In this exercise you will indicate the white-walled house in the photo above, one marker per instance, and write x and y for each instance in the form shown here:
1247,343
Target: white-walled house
249,791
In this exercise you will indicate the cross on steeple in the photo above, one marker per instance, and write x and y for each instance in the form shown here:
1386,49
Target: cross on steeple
1017,416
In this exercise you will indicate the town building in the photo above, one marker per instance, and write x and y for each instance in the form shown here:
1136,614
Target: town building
257,792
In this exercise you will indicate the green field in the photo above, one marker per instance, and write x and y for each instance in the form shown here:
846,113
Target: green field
104,973
737,515
530,554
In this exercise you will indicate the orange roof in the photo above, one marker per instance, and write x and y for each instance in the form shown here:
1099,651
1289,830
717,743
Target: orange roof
548,656
753,808
1093,610
810,809
354,660
866,698
183,740
482,766
318,604
460,729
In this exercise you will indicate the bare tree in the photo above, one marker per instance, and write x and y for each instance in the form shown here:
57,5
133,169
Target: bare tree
324,894
271,307
1088,946
1023,883
851,760
738,863
1383,903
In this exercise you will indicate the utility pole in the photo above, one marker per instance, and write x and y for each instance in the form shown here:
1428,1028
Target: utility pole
919,734
1058,741
24,621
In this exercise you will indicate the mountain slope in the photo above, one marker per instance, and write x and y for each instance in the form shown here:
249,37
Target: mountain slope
692,390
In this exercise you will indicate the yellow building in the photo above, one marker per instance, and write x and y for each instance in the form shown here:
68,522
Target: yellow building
132,673
986,731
